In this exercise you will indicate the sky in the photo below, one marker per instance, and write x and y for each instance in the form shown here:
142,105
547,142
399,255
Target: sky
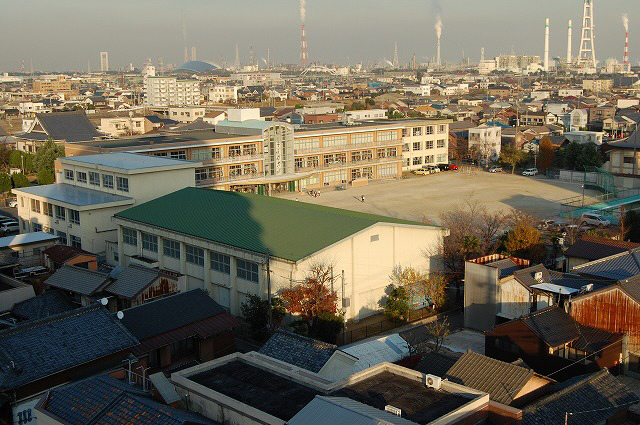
61,35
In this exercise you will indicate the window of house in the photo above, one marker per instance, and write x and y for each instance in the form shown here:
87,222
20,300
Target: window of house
417,160
429,144
247,270
417,146
81,176
182,348
429,129
122,183
505,344
628,160
94,178
442,128
68,174
74,216
37,227
417,131
60,212
35,205
130,236
221,263
171,248
178,154
440,143
107,181
195,255
47,209
149,242
63,237
76,241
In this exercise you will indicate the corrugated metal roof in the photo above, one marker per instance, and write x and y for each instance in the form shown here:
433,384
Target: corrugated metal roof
616,267
128,161
74,195
277,227
26,238
342,410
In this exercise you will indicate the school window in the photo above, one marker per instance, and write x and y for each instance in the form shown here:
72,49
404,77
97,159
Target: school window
178,155
429,144
429,130
235,150
417,146
130,236
94,178
68,174
247,270
249,149
357,139
122,183
74,216
221,263
60,212
440,143
417,131
329,141
76,242
37,227
47,209
299,163
171,248
195,255
442,128
81,176
107,181
150,242
417,160
35,205
63,237
201,174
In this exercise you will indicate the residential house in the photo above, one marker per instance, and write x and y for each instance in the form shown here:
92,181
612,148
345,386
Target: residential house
186,114
139,284
83,285
575,120
591,248
366,114
549,340
316,356
598,114
537,118
185,328
66,347
58,126
42,306
125,126
487,140
58,255
618,126
320,118
623,156
231,263
582,137
13,291
25,249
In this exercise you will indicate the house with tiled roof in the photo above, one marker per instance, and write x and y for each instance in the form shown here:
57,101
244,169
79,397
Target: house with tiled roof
550,340
58,126
591,248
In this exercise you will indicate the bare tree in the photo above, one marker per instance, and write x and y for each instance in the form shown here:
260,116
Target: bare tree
429,337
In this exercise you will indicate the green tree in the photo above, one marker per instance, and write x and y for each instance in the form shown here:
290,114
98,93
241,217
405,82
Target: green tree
5,182
589,156
4,156
397,306
256,311
571,155
44,158
28,163
15,159
370,102
19,180
512,156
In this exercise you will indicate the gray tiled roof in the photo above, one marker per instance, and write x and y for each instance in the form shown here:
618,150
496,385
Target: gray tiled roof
77,279
40,348
48,304
615,267
298,350
133,280
502,381
591,400
437,363
69,126
105,400
593,248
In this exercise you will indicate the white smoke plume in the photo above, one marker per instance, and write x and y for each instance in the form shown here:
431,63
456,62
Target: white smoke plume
388,62
264,60
438,26
303,10
625,22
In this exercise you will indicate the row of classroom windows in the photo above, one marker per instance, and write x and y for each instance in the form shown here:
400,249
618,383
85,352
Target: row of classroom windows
51,210
74,240
122,183
247,270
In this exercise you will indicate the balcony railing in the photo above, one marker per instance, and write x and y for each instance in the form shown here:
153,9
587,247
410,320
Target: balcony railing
347,147
339,165
233,159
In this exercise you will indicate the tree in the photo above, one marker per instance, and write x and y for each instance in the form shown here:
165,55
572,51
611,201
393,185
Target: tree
397,306
512,156
256,311
44,158
313,296
4,156
5,182
523,239
370,102
431,337
589,156
19,180
435,290
571,154
545,154
15,159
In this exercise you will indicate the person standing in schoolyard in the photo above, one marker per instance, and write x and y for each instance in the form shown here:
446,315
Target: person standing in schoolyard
362,199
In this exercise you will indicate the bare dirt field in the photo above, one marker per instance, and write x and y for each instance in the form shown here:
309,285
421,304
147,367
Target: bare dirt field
418,197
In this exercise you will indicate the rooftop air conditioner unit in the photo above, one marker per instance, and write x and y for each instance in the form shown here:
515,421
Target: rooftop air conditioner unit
391,409
433,381
586,288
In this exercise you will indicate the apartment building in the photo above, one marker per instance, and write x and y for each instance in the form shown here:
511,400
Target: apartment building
221,94
186,114
249,155
171,91
57,86
425,143
486,140
90,189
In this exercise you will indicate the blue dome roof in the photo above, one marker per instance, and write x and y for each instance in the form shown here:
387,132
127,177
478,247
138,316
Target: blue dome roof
197,66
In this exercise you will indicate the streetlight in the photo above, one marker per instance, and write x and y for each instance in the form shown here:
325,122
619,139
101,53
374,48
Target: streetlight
583,195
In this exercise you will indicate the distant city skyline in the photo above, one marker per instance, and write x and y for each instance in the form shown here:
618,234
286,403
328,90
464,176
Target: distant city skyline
67,34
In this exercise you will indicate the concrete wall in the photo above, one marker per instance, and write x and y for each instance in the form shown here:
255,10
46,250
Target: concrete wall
19,292
480,296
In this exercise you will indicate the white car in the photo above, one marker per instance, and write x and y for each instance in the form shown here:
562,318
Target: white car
495,169
530,172
13,203
9,226
594,219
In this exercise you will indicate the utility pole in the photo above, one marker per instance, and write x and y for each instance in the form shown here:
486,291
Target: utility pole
344,310
269,290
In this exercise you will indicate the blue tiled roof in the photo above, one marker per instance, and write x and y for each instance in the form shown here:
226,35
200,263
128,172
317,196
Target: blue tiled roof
298,350
48,304
40,348
616,267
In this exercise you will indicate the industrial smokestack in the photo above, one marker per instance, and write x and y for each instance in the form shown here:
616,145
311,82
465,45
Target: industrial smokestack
625,22
193,53
304,54
569,44
438,28
546,45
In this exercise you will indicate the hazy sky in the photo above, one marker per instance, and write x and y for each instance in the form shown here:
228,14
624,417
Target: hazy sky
65,34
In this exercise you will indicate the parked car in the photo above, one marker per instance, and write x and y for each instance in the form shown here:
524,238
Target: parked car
453,167
5,219
495,169
530,172
13,203
546,224
422,172
444,167
433,168
9,226
594,219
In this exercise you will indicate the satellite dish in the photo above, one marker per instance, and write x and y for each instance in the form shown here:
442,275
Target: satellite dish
103,301
120,315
